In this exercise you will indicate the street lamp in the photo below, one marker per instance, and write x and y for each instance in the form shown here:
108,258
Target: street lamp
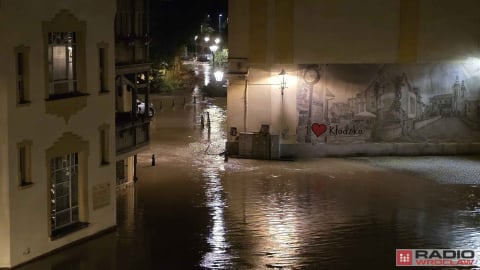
218,75
196,37
206,39
213,48
219,23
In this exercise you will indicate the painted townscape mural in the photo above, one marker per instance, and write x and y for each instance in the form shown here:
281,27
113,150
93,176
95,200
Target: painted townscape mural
346,103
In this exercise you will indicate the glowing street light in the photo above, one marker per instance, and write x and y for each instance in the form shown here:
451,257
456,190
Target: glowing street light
195,38
214,48
219,23
218,75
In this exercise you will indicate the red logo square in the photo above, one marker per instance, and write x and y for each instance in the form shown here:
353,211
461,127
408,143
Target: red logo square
404,257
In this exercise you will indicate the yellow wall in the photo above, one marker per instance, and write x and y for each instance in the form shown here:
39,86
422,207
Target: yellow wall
345,31
238,29
448,30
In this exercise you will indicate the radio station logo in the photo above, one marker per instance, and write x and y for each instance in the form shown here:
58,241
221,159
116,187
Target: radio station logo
438,257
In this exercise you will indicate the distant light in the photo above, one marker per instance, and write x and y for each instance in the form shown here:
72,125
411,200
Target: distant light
218,75
217,40
196,37
206,39
213,48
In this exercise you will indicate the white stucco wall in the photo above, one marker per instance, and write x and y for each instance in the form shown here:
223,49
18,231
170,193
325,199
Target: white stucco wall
29,217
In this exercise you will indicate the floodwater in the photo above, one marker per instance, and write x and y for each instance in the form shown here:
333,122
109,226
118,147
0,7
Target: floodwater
193,210
309,214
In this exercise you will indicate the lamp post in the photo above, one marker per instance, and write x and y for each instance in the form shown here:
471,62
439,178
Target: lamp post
220,23
213,48
206,39
196,37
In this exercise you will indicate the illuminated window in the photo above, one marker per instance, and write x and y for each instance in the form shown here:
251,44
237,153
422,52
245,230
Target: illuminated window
64,191
62,63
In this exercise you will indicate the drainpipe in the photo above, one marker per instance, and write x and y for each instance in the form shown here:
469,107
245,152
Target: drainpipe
245,106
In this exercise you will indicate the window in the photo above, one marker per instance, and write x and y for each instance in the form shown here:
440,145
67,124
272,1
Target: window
101,67
104,145
103,64
21,72
21,77
64,191
24,164
62,63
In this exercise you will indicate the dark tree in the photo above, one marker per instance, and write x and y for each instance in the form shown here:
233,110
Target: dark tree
174,23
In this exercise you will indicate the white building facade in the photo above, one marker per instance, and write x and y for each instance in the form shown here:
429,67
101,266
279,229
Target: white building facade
57,125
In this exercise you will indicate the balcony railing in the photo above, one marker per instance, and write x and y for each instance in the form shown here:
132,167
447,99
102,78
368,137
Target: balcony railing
131,135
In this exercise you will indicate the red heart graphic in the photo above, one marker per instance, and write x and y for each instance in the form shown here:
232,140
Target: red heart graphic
319,129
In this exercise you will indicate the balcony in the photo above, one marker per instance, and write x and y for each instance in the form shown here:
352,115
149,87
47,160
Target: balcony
131,134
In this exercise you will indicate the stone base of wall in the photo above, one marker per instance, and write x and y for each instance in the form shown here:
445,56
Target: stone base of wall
377,149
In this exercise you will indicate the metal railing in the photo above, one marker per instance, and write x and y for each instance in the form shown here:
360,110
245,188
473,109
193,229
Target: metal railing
132,135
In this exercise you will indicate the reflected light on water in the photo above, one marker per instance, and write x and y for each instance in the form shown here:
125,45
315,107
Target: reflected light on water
217,257
211,164
283,237
206,72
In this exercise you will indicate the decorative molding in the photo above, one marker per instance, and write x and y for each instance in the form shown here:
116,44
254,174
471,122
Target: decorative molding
66,107
66,144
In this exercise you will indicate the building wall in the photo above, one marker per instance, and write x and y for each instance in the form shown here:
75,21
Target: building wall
4,170
35,122
346,31
426,43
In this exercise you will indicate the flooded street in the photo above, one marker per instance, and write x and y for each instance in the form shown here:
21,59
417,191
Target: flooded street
198,211
193,210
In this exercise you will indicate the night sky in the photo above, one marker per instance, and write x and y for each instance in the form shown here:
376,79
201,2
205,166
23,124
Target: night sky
174,23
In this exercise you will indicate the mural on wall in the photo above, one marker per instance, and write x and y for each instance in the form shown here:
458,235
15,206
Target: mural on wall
357,103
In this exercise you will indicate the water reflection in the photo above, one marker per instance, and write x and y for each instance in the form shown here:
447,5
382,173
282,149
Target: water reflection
194,211
207,74
211,164
313,216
